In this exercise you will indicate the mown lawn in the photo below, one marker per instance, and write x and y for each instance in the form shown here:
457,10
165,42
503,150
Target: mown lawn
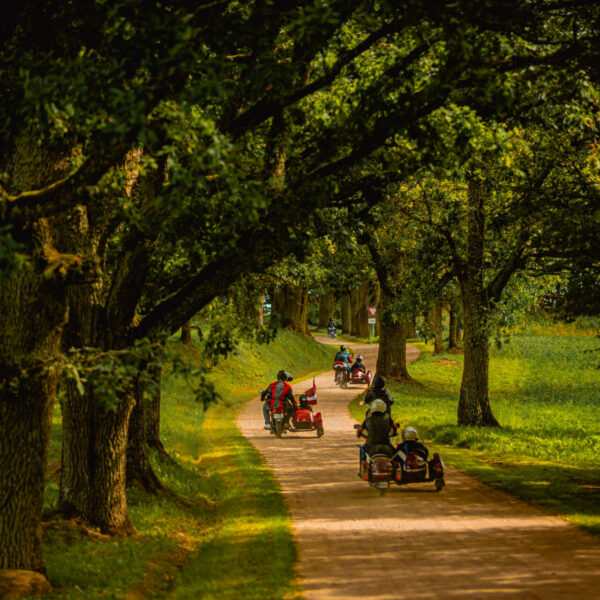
223,530
545,392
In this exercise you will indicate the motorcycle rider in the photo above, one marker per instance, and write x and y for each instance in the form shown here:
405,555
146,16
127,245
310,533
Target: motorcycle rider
379,426
342,355
279,392
358,365
331,326
379,391
410,442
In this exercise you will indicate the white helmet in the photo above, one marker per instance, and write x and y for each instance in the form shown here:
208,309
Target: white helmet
378,406
409,433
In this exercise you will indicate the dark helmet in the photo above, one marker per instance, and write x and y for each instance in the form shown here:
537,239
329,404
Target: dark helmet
342,347
359,358
379,382
282,375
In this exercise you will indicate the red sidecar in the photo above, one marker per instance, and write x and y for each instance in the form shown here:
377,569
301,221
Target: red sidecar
305,420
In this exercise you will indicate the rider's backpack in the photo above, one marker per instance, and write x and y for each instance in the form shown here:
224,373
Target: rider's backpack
278,392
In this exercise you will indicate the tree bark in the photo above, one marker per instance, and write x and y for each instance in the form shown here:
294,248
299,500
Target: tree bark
436,319
346,309
290,303
138,467
412,327
366,294
153,412
33,311
474,403
391,357
186,334
326,308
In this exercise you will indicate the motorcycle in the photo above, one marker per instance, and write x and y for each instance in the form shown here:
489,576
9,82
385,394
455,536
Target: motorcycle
360,377
382,466
341,374
303,420
332,332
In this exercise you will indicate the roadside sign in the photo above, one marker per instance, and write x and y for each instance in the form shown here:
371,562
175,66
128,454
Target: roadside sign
371,320
372,310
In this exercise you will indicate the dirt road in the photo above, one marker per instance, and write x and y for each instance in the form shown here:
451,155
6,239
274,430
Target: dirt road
468,541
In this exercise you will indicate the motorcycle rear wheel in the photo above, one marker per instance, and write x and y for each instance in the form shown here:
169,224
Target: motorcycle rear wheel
278,428
382,492
320,432
439,484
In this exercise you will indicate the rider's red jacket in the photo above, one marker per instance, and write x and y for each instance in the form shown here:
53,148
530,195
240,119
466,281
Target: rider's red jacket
285,394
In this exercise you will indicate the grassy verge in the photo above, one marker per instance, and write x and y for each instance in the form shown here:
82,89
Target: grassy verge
544,391
224,530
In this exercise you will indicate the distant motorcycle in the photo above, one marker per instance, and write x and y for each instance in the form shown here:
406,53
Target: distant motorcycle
341,374
332,332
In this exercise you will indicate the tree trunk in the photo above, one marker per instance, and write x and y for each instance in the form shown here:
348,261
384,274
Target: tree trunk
452,327
26,403
153,412
139,470
346,310
359,302
412,327
260,311
474,403
290,303
33,311
186,334
391,358
436,319
326,308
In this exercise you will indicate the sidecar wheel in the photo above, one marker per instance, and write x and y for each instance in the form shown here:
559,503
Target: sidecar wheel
320,432
439,484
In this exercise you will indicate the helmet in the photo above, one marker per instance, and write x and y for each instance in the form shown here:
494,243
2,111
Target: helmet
359,358
342,347
284,376
409,433
379,382
378,406
302,397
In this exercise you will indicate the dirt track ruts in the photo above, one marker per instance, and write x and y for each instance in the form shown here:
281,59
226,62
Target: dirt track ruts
468,541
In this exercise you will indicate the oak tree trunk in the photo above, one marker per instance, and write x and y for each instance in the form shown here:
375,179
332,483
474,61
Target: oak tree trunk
153,412
326,308
33,311
452,328
138,467
290,303
436,319
391,357
186,334
474,403
346,310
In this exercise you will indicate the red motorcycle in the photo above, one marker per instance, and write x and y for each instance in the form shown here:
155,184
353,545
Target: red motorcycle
303,420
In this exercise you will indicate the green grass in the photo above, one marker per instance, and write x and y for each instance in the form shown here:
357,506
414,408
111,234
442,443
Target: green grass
224,531
545,393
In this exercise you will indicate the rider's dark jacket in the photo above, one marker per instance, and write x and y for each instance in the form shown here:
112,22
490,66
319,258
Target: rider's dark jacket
379,427
381,394
358,366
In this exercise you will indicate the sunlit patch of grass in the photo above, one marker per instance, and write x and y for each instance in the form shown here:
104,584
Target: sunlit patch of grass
545,393
223,529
